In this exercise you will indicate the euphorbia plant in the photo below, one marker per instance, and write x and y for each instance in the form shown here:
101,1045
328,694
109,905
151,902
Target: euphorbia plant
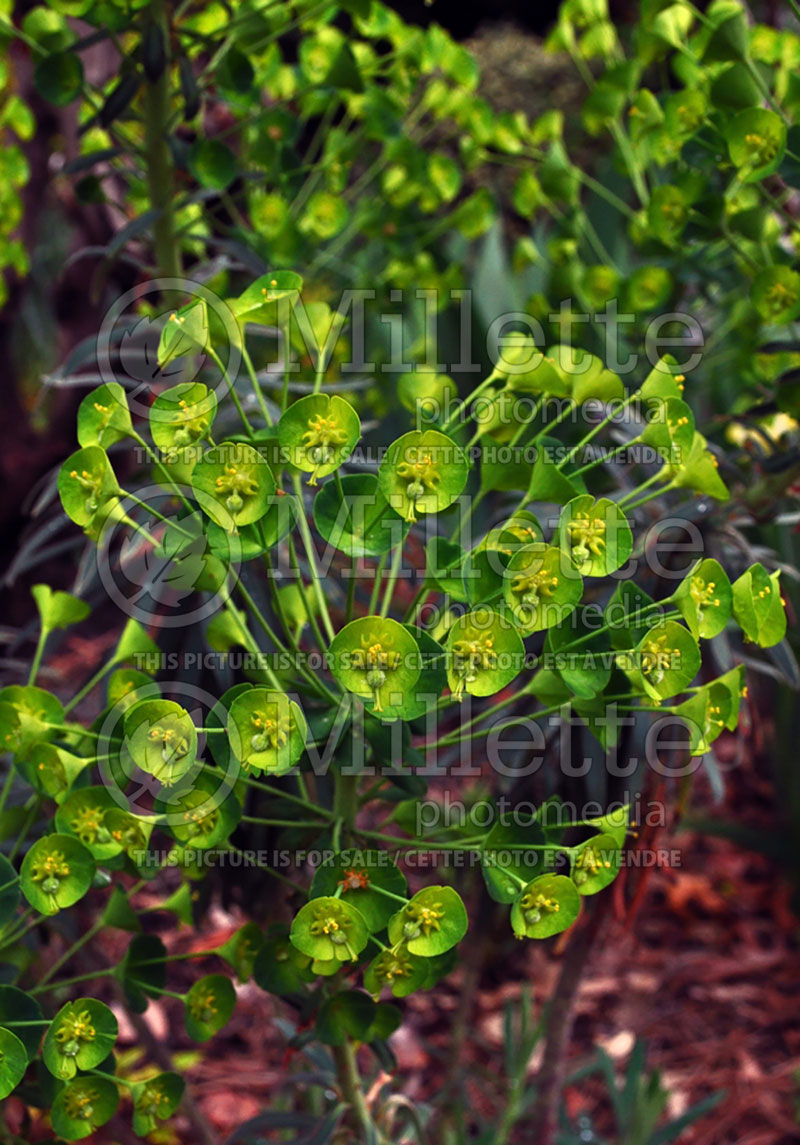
346,663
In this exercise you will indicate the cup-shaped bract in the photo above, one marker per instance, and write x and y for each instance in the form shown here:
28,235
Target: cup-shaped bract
422,472
328,929
155,1100
86,483
56,872
699,471
426,394
596,863
235,483
775,293
541,587
758,607
266,731
704,599
378,660
397,970
434,921
664,662
181,417
201,810
161,738
184,332
670,430
756,143
81,1035
706,715
367,881
82,1106
208,1006
318,433
104,417
484,653
258,303
548,905
83,814
596,534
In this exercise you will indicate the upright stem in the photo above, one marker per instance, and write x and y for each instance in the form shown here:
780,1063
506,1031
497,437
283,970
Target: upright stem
160,181
344,1058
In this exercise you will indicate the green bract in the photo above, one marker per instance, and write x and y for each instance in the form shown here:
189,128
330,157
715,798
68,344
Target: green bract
356,518
161,739
56,872
81,1036
546,906
209,1005
155,1100
266,731
82,1106
596,534
181,417
184,332
86,483
776,294
433,921
596,863
704,599
329,929
318,433
257,303
542,584
664,662
422,472
378,660
396,970
235,484
200,810
756,143
484,653
758,607
84,814
362,876
104,417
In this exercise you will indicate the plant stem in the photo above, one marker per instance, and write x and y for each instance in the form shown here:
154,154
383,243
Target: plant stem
311,556
397,560
37,656
87,936
158,160
344,1059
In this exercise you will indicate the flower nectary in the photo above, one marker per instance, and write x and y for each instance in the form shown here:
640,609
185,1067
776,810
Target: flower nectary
78,1102
703,594
763,149
531,588
320,441
174,746
190,426
421,920
375,661
354,880
534,905
151,1099
48,871
331,921
88,825
75,1030
271,731
587,864
422,476
656,658
587,538
203,1005
235,484
470,657
92,485
391,965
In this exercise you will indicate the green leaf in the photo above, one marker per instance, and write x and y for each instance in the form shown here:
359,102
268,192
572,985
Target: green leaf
758,607
143,970
181,416
548,905
358,521
59,78
208,1007
729,39
200,810
281,968
756,143
503,862
56,872
431,923
213,164
328,929
13,1062
363,875
58,609
184,332
86,482
396,970
776,294
81,1036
